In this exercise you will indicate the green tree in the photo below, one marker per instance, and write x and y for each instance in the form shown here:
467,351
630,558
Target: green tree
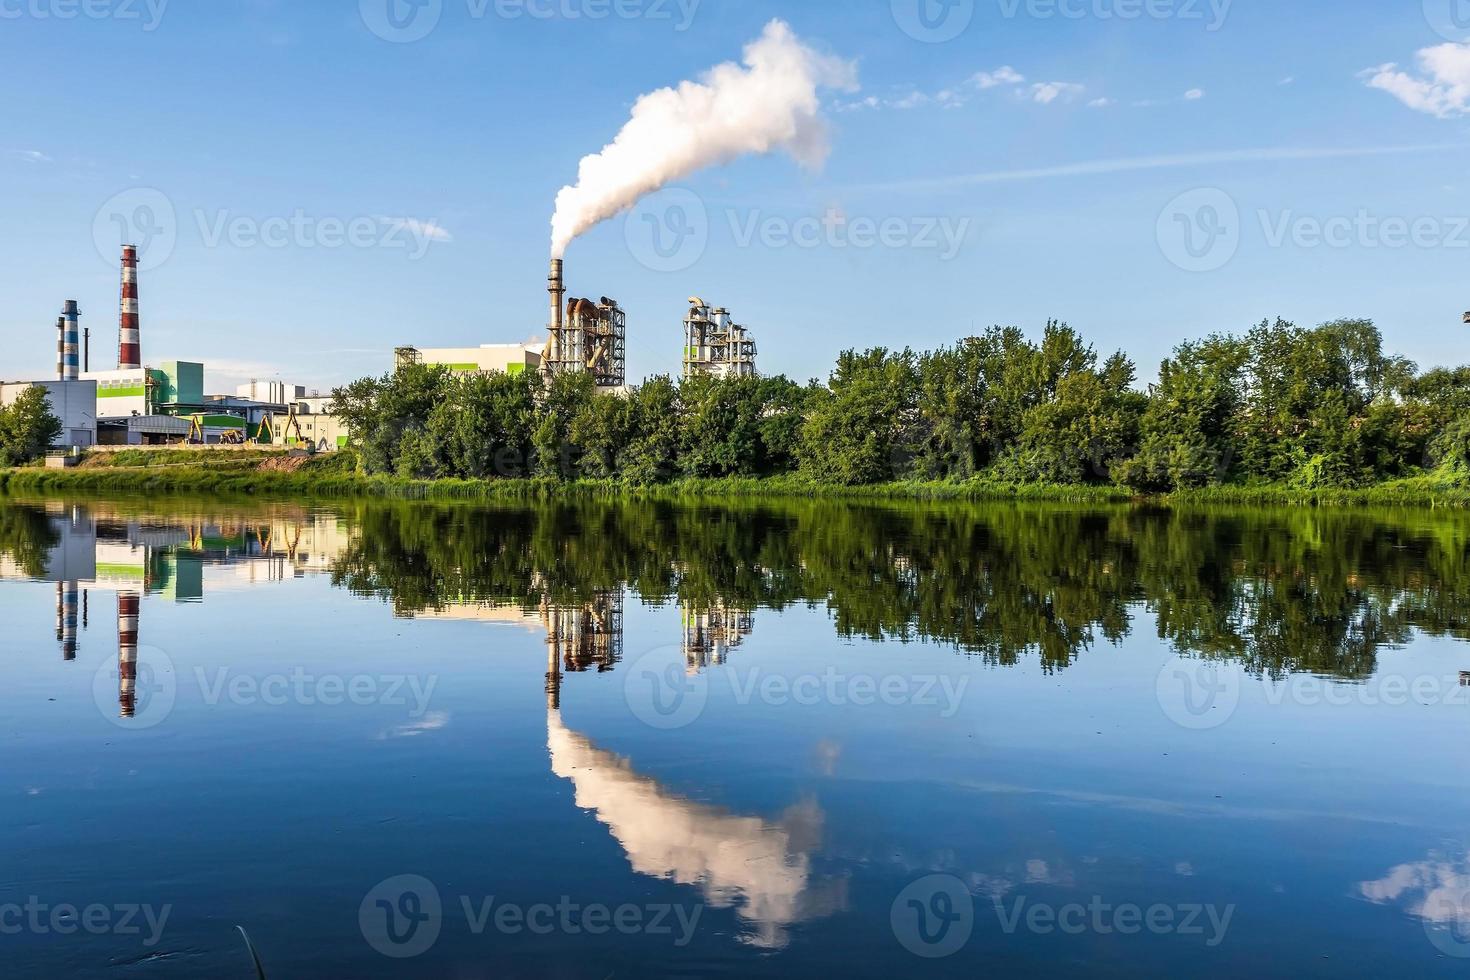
1188,432
27,428
860,430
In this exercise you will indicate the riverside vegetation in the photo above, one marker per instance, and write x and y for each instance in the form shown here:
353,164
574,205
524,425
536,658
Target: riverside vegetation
1281,412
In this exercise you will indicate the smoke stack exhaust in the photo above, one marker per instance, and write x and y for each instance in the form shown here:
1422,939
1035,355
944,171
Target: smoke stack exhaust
70,366
558,291
129,347
771,102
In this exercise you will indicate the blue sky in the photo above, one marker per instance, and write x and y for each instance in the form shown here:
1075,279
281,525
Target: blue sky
1313,181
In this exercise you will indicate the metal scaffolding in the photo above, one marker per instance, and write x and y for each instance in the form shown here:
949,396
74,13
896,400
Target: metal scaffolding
585,337
715,345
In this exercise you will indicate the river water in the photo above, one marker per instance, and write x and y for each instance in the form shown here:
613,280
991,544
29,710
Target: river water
808,739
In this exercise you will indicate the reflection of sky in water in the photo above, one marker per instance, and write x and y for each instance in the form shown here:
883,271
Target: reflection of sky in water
1059,778
1436,890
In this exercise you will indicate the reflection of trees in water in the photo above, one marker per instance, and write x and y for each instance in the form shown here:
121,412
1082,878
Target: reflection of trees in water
1281,590
27,536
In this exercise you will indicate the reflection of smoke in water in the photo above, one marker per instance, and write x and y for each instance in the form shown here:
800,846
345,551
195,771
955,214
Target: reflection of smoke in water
762,869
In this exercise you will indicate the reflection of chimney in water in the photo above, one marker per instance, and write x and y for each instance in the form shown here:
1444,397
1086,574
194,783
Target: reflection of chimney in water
553,679
128,604
69,600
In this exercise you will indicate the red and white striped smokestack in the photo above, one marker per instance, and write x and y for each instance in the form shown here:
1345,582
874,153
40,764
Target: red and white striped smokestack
128,604
129,346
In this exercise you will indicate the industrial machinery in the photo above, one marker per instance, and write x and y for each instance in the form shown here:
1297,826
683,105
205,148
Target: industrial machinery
715,345
585,337
287,433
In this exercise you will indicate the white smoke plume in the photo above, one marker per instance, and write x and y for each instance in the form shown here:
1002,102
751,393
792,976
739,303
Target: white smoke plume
772,102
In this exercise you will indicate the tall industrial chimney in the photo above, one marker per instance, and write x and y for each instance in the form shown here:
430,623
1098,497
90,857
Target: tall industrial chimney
61,348
558,290
70,342
129,347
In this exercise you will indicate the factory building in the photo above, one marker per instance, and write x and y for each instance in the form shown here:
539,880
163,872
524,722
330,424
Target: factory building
585,337
73,402
715,345
509,359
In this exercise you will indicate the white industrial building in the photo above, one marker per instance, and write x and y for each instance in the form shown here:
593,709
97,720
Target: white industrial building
509,359
73,402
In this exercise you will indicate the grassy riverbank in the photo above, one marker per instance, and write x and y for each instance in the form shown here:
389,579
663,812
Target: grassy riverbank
334,476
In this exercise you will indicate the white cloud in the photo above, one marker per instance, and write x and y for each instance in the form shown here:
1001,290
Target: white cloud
430,230
1194,95
1103,103
33,156
1048,92
1288,80
1442,87
1004,75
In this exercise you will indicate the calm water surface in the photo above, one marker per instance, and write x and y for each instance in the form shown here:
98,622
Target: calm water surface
812,740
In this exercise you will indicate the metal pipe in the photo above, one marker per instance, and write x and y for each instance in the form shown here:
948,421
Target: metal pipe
61,348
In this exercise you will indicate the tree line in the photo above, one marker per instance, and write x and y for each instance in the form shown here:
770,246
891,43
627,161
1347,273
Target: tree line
1303,407
1280,591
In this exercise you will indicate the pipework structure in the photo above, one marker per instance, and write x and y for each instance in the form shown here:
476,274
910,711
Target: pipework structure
715,345
584,337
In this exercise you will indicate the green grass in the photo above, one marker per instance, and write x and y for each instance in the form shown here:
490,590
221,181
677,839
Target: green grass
333,475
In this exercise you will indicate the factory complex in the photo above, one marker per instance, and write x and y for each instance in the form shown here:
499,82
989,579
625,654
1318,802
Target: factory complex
165,402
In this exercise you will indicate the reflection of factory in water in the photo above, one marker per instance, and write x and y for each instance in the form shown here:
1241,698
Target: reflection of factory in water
584,635
86,550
